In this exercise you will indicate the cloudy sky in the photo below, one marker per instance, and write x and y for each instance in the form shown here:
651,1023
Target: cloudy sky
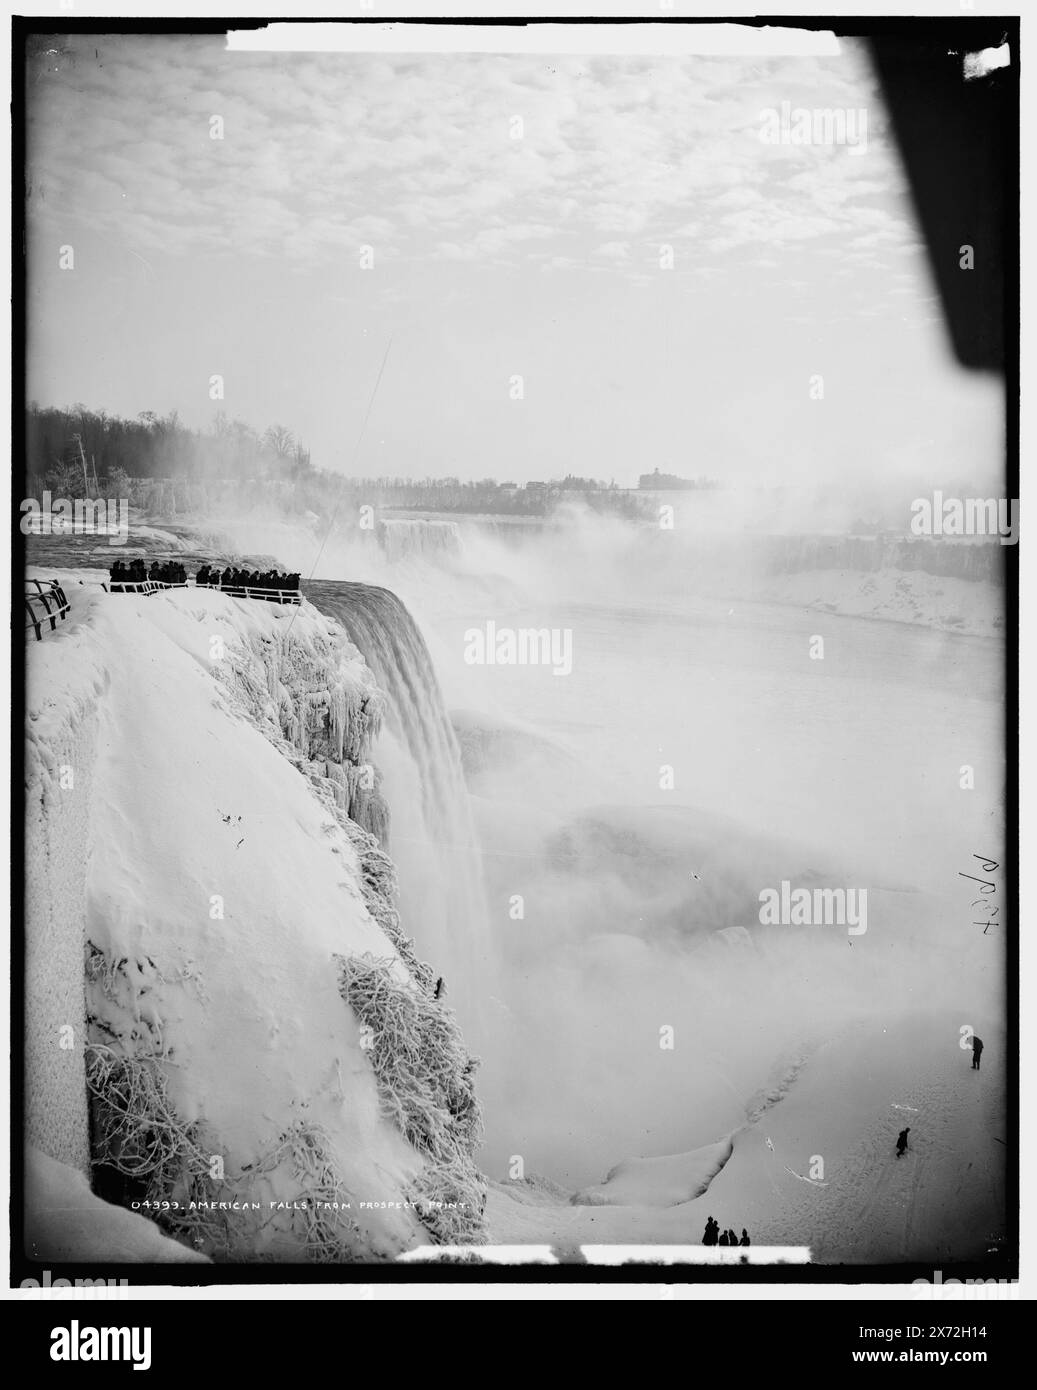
518,209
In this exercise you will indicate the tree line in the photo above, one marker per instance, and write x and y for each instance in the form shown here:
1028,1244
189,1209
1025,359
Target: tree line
76,452
160,464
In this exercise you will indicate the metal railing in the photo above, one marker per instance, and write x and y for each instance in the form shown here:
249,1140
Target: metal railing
44,604
151,586
141,586
247,591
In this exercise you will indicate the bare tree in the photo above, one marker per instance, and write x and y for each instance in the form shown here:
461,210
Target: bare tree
279,440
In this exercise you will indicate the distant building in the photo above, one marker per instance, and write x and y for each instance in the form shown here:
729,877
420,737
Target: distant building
669,482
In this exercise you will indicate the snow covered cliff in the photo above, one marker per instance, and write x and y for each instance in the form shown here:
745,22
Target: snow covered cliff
263,1053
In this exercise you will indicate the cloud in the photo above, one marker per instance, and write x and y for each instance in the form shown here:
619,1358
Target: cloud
479,158
614,250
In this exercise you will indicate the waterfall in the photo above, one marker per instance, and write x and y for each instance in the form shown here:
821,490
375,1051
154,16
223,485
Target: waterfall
431,834
403,538
959,558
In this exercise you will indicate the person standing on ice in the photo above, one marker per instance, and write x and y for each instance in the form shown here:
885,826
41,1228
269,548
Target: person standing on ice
977,1048
723,1238
745,1237
902,1140
711,1232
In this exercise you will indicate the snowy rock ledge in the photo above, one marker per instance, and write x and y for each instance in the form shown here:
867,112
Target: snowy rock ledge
214,894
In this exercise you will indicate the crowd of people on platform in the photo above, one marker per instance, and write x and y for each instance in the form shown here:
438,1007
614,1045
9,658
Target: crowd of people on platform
211,577
237,582
171,571
715,1236
137,572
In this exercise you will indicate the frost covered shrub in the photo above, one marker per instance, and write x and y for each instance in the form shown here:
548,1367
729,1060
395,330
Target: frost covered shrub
426,1083
450,1209
329,1233
169,1162
138,1134
379,887
136,1131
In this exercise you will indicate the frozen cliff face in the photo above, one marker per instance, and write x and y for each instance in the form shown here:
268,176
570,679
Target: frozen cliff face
225,900
312,691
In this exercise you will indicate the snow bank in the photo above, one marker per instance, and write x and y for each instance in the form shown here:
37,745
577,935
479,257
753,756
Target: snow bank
903,596
944,1201
66,1223
218,891
815,1164
658,1182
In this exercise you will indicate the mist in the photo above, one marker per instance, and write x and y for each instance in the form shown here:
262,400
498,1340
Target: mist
629,816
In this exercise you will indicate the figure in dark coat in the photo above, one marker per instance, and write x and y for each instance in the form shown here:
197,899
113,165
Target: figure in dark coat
977,1048
902,1140
745,1237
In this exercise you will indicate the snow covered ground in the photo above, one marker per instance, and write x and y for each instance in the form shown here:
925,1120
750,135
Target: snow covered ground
943,1201
219,890
66,1223
902,596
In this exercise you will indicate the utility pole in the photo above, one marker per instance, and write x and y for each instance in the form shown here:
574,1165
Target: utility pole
82,458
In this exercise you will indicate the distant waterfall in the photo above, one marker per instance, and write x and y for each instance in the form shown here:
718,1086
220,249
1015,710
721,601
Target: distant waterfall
433,841
401,538
962,559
